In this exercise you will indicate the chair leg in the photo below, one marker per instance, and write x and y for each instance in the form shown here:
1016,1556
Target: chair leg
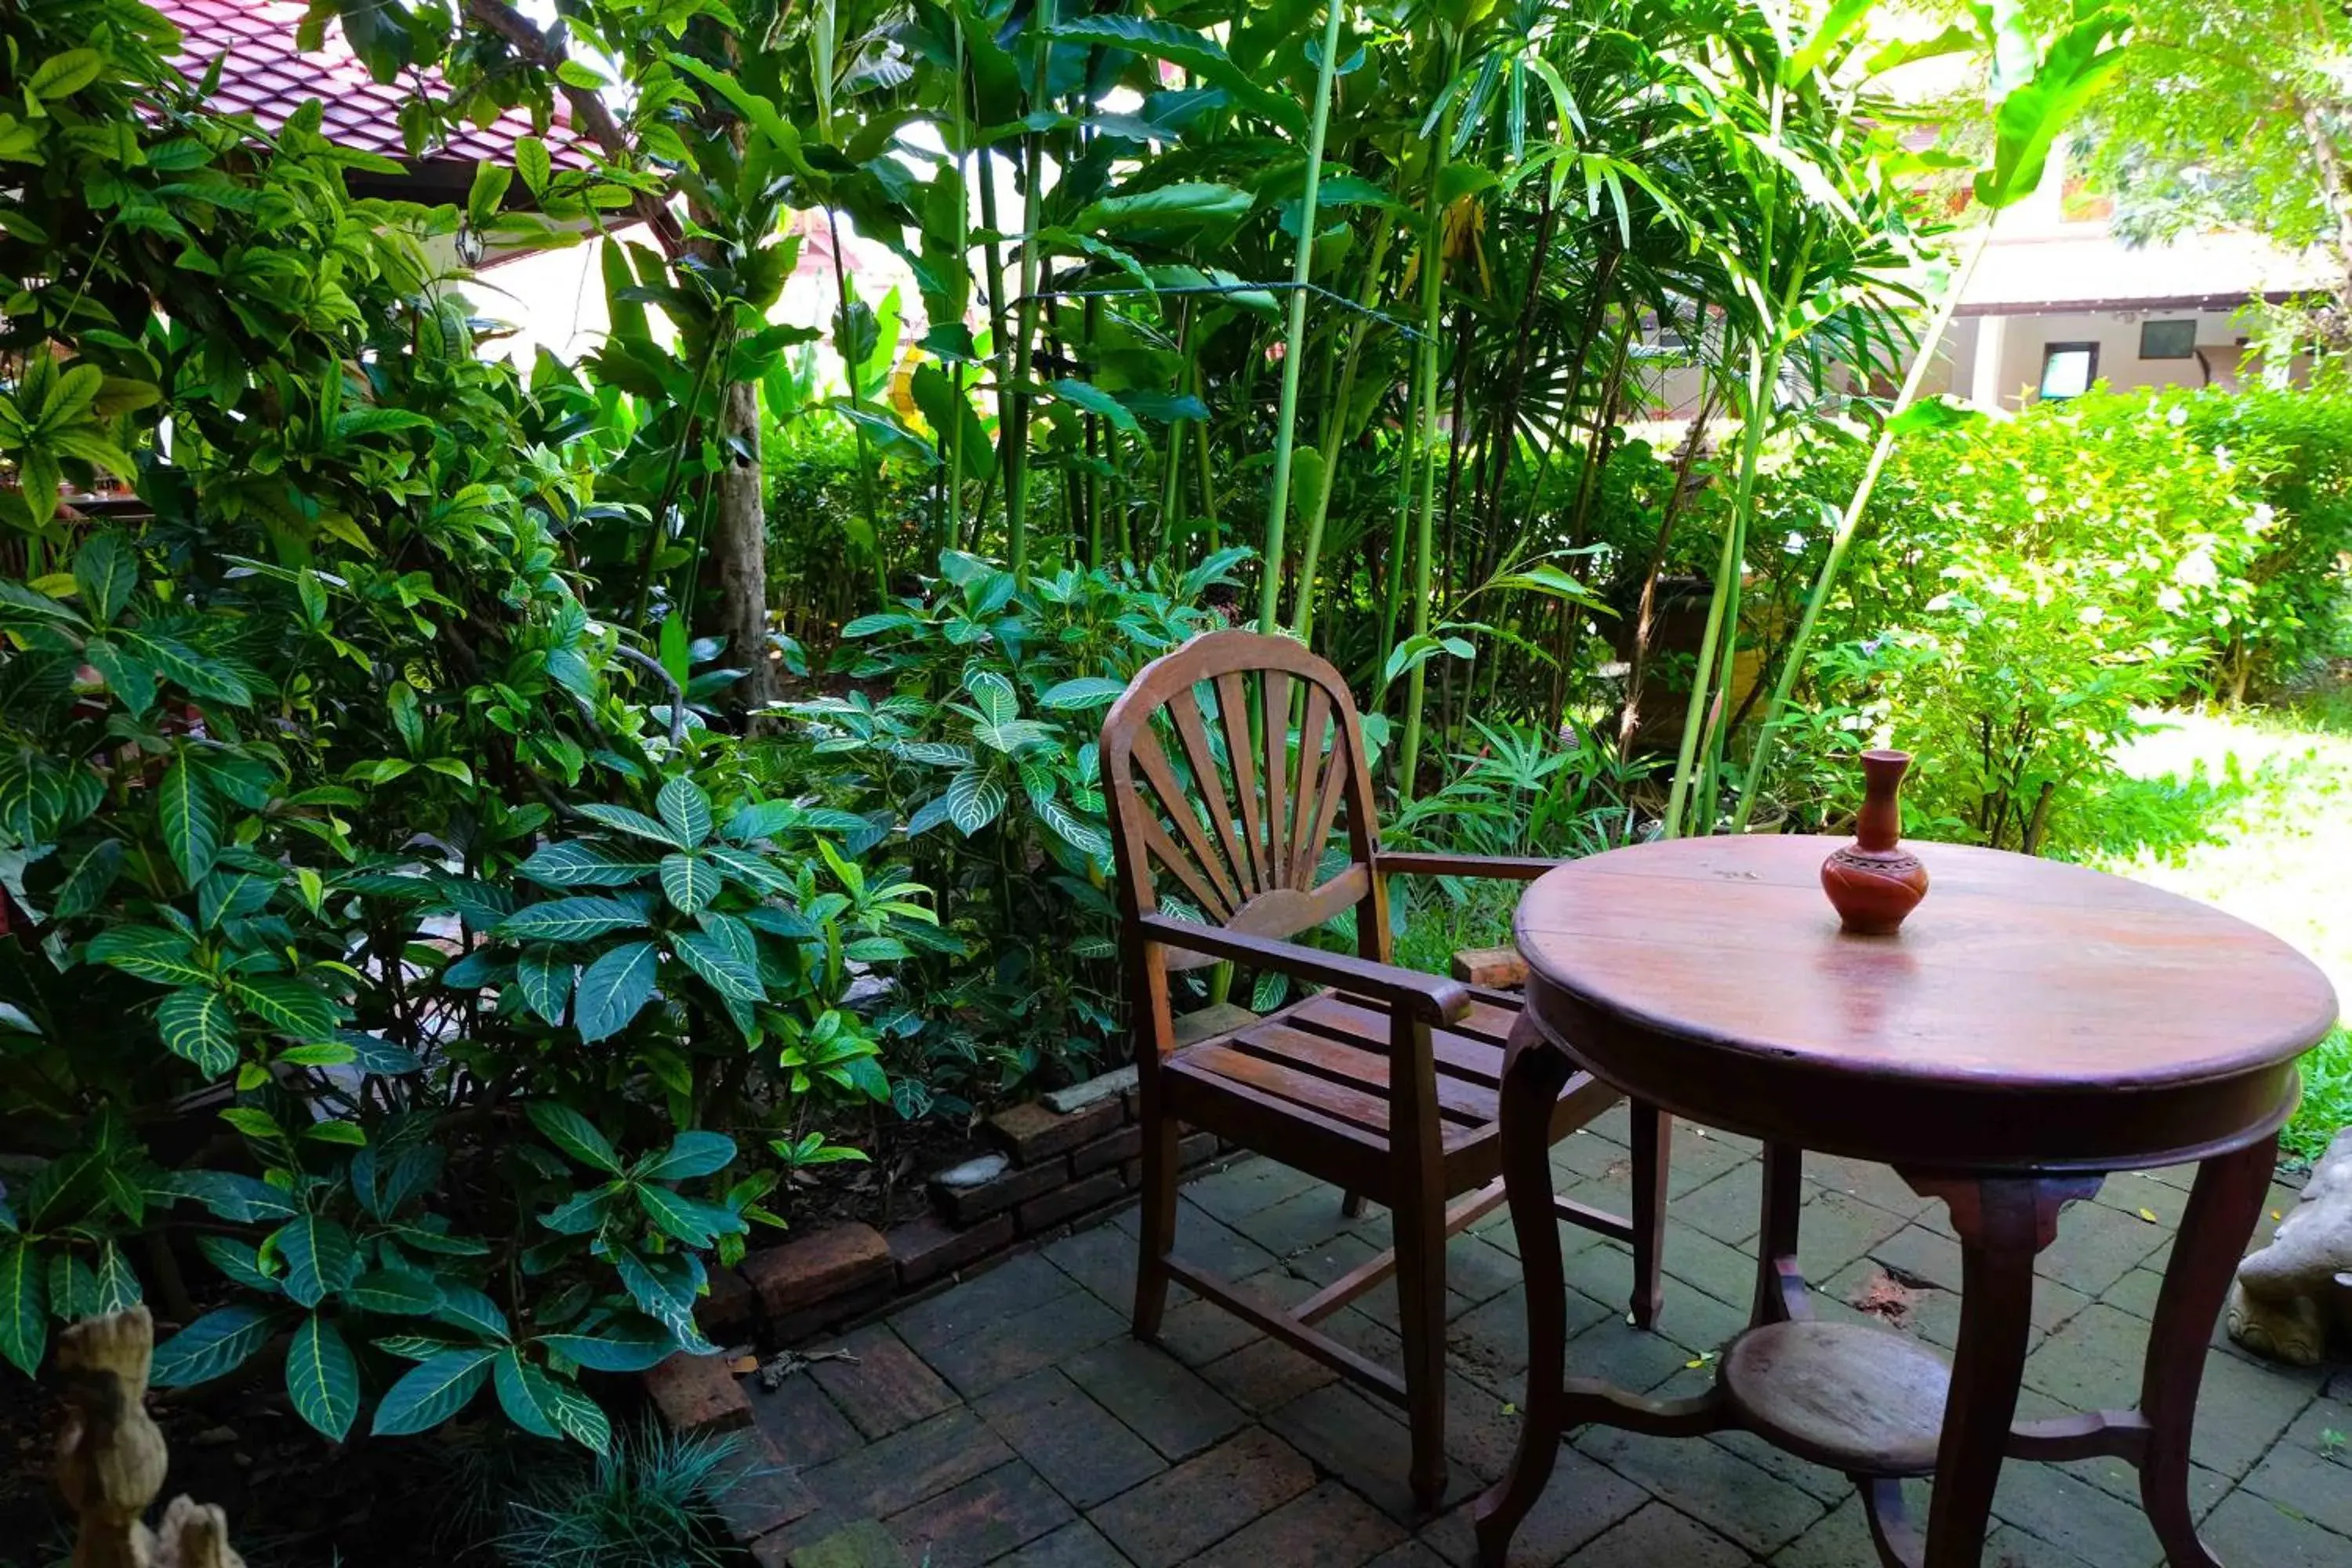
1653,1133
1158,1222
1351,1205
1421,1309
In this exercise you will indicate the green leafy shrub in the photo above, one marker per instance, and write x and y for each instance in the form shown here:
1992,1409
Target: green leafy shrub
2295,444
370,938
2027,584
979,746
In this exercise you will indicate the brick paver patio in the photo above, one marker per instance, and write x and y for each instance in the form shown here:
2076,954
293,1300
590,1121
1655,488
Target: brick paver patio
1013,1420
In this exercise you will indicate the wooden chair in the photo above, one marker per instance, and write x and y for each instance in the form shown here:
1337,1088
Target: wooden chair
1229,762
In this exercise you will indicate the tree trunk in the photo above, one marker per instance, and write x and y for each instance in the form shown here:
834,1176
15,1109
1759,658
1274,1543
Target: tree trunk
737,551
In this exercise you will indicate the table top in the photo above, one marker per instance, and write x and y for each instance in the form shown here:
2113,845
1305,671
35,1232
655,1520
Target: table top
2016,978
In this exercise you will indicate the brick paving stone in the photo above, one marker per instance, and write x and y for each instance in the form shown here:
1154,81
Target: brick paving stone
1826,1484
1306,1218
1711,1484
1694,1259
1071,1440
1840,1538
1196,1331
1021,1282
1657,1535
1834,1228
1165,1403
864,1545
1616,1123
2051,1504
1102,1258
1725,1208
766,1493
982,1519
2006,1546
1247,1187
1365,1445
1204,1241
1380,1304
2305,1472
1582,1500
2098,1245
2132,1191
697,1393
1477,1270
806,1426
1408,1554
1491,1342
1330,1527
2258,1533
1018,1345
1265,1374
903,1470
2135,1293
1200,1502
2095,1362
884,1386
2207,1486
1587,1154
1872,1184
1699,1155
1076,1545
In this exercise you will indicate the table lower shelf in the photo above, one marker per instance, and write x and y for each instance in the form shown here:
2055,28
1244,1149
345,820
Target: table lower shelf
1862,1400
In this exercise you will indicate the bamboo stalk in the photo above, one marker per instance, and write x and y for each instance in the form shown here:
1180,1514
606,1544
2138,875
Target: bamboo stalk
1432,269
1277,514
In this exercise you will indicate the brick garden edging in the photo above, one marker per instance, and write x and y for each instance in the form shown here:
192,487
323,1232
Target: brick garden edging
1060,1164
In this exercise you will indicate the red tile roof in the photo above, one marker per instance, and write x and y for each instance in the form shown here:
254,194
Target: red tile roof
266,75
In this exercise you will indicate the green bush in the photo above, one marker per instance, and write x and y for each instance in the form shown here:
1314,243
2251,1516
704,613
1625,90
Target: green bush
2296,447
978,744
2024,584
370,938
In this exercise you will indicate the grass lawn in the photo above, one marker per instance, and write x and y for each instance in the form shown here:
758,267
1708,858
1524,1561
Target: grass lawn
2253,813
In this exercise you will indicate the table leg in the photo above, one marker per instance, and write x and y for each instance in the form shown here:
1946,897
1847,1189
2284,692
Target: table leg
1533,1075
1779,1283
2223,1207
2003,1223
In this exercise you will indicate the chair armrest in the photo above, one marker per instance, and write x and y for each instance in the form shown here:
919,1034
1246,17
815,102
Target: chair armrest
1430,997
1504,868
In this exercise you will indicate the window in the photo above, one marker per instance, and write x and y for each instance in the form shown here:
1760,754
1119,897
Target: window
2167,340
2068,369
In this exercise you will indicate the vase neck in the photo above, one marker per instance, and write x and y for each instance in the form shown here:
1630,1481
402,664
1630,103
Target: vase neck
1879,825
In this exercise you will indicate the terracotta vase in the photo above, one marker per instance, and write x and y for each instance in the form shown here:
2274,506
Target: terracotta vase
1874,882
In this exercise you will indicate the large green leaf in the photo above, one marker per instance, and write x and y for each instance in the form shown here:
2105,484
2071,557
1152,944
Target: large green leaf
543,973
524,1395
613,989
574,1134
24,1321
88,881
631,1345
695,1223
722,968
432,1392
189,816
1196,52
220,1341
1095,400
688,882
162,956
581,1420
394,1293
635,823
199,1027
287,1004
576,863
689,1154
320,1257
1191,205
323,1377
685,811
569,920
106,569
118,1287
973,801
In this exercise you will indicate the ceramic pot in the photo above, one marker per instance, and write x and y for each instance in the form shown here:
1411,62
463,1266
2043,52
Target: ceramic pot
1874,882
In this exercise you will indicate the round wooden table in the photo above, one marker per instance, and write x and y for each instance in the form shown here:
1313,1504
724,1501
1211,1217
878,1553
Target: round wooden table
2034,1025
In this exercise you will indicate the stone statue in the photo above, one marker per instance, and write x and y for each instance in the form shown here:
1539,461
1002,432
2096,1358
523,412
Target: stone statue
110,1457
2289,1292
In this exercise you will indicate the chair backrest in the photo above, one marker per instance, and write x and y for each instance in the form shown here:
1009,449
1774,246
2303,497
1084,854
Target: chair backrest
1229,762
